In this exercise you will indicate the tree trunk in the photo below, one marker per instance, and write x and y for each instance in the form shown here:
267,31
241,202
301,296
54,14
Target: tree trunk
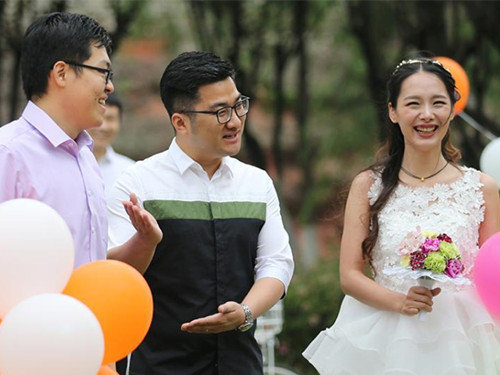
364,26
124,13
279,70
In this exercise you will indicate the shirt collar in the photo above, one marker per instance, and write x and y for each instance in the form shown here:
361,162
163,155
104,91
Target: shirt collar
84,139
41,121
108,156
184,162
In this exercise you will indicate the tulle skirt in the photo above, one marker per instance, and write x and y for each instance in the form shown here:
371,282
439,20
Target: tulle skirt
458,337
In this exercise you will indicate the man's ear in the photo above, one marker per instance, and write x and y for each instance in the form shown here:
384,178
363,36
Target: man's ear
392,113
59,74
181,123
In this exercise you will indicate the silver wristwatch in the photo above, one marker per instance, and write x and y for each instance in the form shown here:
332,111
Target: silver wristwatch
249,320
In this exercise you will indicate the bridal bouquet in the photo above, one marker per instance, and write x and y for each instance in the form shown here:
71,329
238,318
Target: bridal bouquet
432,251
429,256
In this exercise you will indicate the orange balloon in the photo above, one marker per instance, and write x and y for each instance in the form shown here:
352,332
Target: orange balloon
121,300
461,81
106,370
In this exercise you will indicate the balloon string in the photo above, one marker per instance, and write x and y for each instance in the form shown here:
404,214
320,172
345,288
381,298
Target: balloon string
481,129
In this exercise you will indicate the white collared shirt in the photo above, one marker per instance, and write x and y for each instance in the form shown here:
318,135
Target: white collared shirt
173,176
112,165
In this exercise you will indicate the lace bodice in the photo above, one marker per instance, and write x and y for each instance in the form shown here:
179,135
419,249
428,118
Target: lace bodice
456,209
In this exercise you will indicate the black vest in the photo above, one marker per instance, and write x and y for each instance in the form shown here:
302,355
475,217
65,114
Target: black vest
206,258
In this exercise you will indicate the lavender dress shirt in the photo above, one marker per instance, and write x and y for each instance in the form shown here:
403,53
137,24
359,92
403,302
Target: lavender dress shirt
38,160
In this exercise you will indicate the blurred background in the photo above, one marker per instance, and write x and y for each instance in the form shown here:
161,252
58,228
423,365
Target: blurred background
315,71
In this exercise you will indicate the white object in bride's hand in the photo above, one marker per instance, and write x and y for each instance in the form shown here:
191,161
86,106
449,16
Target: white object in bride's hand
425,278
428,283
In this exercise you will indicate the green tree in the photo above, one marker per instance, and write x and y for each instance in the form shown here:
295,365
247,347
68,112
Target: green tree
463,30
16,15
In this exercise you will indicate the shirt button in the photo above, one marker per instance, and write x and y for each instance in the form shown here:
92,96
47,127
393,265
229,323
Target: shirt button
93,230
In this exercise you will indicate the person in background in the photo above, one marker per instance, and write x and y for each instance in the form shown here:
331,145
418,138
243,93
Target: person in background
110,163
46,154
225,257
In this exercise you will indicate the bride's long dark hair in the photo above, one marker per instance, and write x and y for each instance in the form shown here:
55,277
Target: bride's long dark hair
390,155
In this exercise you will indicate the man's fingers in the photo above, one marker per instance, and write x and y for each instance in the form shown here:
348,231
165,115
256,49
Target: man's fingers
228,307
133,199
216,323
134,217
129,210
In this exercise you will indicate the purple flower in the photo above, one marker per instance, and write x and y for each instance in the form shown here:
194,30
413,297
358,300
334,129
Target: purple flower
430,244
444,237
454,267
417,259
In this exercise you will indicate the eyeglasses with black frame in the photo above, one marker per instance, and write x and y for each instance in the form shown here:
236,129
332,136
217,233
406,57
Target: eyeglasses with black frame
224,114
108,72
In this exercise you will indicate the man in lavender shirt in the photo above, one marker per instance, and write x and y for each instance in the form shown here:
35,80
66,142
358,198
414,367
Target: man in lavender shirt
47,154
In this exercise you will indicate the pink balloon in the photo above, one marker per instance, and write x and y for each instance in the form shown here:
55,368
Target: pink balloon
487,274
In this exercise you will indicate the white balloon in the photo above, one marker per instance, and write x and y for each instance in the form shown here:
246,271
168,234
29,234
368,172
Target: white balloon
50,334
36,251
490,160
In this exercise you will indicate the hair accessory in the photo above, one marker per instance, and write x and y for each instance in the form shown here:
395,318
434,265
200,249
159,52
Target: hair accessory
419,61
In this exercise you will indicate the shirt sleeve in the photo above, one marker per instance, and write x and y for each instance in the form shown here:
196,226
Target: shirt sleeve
10,176
274,255
120,228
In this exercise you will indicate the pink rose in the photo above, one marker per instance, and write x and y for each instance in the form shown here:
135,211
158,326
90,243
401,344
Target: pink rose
454,268
430,244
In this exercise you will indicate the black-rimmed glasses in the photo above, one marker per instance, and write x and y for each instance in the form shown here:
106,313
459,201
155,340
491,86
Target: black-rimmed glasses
224,114
108,72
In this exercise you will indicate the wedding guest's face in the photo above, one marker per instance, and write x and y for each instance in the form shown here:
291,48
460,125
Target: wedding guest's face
105,134
210,140
87,91
423,111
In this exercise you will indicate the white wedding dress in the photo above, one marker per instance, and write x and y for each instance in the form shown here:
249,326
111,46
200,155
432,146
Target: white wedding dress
458,337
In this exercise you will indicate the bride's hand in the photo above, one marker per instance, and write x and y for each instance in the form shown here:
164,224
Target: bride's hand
418,299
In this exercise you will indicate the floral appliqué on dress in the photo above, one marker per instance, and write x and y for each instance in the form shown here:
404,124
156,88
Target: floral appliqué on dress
456,208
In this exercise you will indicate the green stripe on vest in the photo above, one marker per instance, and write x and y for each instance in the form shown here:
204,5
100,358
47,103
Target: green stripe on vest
162,210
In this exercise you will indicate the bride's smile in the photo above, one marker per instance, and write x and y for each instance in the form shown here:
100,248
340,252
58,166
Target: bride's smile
423,110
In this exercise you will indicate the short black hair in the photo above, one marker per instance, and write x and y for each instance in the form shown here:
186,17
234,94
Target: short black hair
186,73
56,37
114,100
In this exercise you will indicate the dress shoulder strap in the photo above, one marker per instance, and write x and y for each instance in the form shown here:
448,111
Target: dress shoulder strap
376,186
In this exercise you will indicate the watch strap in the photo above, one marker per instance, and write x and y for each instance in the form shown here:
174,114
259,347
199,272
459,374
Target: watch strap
249,319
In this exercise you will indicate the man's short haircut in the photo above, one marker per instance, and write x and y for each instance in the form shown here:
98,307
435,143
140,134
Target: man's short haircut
186,73
114,100
57,37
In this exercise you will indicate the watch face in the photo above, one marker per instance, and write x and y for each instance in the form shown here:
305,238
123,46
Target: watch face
245,327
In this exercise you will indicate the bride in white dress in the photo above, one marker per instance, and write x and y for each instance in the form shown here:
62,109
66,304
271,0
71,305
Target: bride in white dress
417,183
